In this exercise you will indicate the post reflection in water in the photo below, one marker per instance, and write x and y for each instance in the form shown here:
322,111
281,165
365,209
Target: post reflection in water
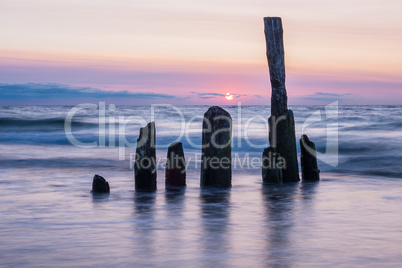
143,237
215,219
279,204
174,198
174,204
98,198
308,190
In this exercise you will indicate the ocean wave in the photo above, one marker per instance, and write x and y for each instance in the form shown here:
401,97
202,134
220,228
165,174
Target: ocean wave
40,124
65,162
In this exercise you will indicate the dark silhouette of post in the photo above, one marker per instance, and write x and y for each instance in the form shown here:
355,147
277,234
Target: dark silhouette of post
282,136
308,160
100,185
276,62
175,175
145,160
271,169
216,161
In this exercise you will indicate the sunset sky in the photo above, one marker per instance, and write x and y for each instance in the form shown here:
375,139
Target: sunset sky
194,52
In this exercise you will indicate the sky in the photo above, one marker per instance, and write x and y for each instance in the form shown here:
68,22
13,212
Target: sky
195,52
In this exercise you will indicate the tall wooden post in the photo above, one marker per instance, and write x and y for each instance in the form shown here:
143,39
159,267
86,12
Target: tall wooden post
282,136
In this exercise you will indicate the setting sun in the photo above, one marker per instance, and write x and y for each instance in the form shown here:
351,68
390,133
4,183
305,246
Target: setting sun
228,96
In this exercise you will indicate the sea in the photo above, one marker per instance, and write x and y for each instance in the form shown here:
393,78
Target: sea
49,155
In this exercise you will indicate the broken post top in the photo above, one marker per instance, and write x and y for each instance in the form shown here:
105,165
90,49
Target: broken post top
216,127
216,111
147,136
276,63
176,146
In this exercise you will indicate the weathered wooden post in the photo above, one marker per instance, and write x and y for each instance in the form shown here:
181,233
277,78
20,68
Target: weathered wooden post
100,185
308,160
271,166
276,63
175,166
216,161
145,159
282,136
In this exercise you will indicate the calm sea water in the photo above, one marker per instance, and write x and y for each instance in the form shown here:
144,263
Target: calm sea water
48,218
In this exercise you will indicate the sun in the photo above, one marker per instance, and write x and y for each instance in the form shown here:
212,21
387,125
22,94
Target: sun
228,96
